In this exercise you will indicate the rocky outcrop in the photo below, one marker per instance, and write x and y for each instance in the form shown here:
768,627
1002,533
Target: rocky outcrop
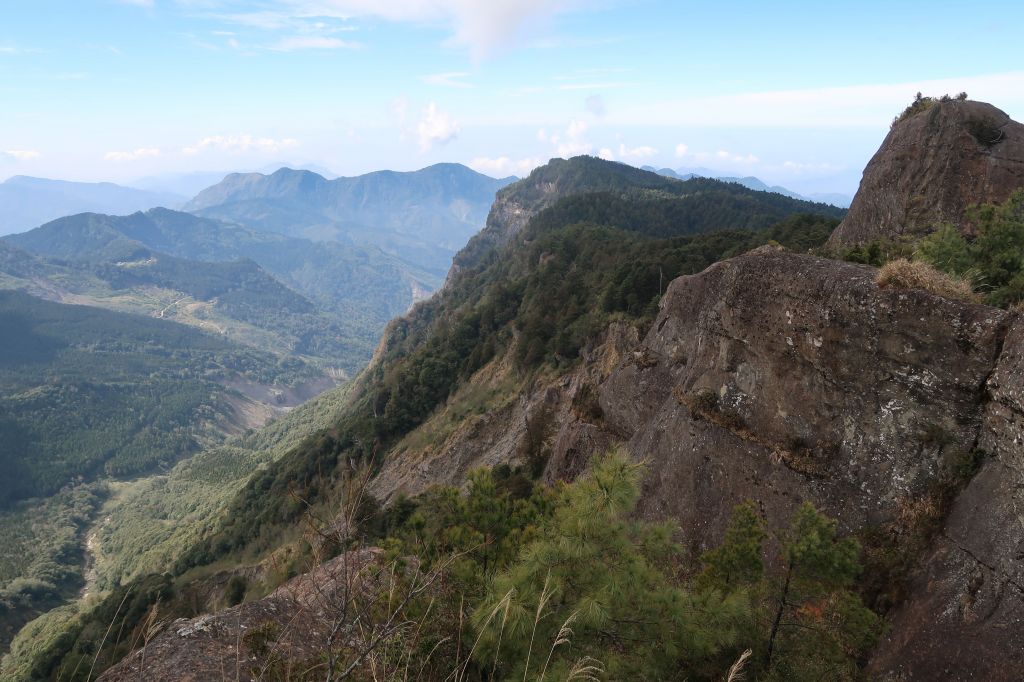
966,612
280,636
786,377
781,378
931,167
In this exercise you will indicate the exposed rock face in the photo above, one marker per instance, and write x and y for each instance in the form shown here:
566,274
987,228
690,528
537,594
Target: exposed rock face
931,167
967,609
825,388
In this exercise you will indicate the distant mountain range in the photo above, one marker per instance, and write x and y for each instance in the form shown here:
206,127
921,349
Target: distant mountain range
834,198
292,296
423,216
190,184
26,202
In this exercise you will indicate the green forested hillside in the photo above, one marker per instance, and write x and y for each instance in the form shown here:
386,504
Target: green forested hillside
85,391
320,300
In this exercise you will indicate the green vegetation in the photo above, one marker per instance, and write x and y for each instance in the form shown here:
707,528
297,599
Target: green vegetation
535,582
325,301
991,257
151,521
41,554
85,392
146,524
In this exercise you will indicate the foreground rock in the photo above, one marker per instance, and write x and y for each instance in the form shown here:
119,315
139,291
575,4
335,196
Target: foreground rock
827,388
931,167
282,636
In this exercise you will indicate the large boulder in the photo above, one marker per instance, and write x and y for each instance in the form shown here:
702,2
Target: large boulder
939,158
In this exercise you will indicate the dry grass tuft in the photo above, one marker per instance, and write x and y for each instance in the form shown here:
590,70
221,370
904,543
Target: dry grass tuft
906,274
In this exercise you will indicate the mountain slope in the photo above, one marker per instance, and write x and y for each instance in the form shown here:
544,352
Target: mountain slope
751,182
543,292
27,202
423,216
86,390
733,206
940,157
345,294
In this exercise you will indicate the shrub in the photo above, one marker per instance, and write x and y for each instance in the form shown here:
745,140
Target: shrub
906,274
236,589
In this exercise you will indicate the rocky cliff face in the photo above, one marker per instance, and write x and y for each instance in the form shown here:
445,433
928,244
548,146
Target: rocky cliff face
931,167
781,378
827,388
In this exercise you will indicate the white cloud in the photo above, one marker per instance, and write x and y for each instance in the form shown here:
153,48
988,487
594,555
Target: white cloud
23,154
138,3
504,166
681,150
448,80
594,86
860,106
573,142
135,155
293,43
595,105
400,108
636,152
727,156
436,127
606,154
482,27
240,143
8,49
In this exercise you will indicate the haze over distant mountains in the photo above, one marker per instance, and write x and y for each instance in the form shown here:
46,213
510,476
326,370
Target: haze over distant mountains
751,182
191,183
26,202
283,294
423,216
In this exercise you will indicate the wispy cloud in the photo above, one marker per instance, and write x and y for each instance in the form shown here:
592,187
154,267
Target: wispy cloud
139,3
134,155
436,127
595,86
239,143
627,153
860,106
293,43
571,142
452,79
595,105
22,154
481,27
504,166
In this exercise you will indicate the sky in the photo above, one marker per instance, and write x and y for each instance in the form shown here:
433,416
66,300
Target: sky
796,93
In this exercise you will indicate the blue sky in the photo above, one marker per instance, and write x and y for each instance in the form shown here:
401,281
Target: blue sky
797,93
